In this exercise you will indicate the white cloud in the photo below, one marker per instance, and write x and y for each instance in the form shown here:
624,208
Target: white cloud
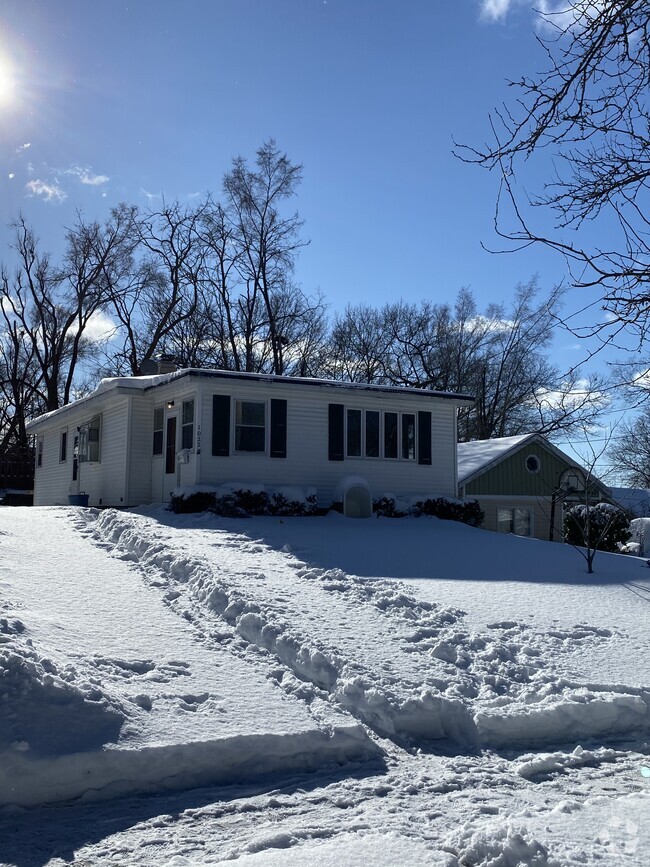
496,10
49,192
86,176
561,15
641,380
149,195
23,147
572,396
100,327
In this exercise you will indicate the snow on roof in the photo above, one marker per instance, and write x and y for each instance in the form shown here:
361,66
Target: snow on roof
477,455
144,383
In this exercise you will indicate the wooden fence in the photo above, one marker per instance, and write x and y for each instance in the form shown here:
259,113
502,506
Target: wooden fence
17,471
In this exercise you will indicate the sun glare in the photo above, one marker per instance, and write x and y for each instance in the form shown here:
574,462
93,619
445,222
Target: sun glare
7,84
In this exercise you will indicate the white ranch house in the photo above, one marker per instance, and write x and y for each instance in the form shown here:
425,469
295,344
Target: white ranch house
134,440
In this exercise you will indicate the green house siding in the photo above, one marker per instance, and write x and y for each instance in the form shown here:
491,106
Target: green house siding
511,478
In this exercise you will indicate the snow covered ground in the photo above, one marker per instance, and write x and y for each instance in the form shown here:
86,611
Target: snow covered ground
189,689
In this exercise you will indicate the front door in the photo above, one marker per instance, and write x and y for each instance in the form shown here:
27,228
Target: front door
169,478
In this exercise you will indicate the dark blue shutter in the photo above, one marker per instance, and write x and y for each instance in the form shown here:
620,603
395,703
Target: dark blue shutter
335,432
278,428
424,438
221,425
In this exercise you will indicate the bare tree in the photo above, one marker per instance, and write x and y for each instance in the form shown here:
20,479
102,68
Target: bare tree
267,244
20,381
589,110
359,344
163,290
590,523
49,307
630,452
499,356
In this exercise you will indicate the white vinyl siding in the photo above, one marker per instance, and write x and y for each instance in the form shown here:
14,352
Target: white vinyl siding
140,458
307,461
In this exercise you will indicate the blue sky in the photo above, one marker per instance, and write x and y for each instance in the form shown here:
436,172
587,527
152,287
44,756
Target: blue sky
124,100
104,102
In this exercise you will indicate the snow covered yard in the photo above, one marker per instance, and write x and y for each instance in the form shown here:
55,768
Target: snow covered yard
344,692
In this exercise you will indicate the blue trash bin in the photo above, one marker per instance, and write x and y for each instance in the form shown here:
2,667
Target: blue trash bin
78,499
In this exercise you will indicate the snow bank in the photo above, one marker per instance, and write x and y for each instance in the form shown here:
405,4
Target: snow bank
574,714
640,530
45,711
109,772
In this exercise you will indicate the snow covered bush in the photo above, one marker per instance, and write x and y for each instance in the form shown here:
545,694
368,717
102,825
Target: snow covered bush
198,501
242,502
603,527
466,511
386,507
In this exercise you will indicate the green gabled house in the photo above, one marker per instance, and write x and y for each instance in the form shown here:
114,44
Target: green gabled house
524,483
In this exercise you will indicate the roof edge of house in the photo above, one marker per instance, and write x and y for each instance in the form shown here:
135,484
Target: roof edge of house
138,384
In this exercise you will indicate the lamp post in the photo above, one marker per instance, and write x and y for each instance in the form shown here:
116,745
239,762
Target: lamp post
565,487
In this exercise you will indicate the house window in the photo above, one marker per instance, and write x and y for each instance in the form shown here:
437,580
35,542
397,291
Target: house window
354,433
532,464
89,441
408,436
250,426
372,434
517,521
390,435
63,447
363,430
39,452
158,426
187,434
